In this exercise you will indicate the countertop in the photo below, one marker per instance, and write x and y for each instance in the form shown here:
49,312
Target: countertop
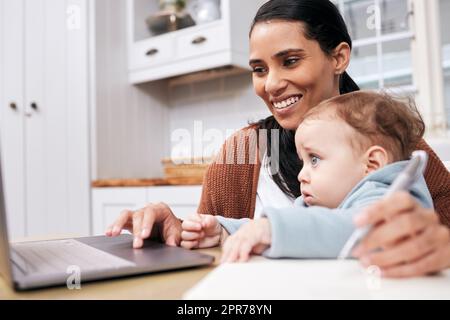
183,181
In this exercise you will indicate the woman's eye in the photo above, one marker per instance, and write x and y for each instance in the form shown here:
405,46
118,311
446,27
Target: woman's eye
315,160
290,61
258,70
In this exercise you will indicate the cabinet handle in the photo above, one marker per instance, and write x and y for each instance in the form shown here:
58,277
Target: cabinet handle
199,40
151,52
34,106
13,106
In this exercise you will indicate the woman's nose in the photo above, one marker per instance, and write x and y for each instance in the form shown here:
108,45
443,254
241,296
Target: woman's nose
275,84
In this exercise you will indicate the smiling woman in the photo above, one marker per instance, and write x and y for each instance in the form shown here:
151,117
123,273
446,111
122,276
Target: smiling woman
289,80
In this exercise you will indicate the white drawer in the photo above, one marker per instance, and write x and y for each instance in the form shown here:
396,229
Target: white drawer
202,42
152,52
175,195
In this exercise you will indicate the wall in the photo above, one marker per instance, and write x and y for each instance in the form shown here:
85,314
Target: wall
129,124
226,104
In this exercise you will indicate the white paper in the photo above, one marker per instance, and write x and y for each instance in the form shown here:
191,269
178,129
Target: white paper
313,279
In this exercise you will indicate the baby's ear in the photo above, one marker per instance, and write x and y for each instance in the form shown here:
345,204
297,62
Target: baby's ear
376,157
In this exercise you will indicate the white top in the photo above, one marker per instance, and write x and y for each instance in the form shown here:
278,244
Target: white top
268,193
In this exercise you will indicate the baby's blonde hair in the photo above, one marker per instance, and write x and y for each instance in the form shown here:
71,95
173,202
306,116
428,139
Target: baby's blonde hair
379,118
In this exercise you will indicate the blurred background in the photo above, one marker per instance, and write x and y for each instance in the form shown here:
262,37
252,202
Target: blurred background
107,105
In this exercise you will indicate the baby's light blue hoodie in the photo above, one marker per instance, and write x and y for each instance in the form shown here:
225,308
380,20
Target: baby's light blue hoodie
319,232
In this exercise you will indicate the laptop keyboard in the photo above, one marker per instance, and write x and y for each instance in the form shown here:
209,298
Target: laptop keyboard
58,255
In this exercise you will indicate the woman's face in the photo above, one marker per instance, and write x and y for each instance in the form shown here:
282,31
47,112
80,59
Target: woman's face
290,73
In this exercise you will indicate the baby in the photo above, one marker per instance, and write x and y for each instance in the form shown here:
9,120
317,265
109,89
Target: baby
352,147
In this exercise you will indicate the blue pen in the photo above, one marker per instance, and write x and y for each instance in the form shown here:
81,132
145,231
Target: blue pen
404,181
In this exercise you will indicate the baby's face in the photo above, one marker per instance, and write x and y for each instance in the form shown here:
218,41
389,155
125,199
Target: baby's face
331,166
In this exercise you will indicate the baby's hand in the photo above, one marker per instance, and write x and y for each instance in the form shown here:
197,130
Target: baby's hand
201,231
253,237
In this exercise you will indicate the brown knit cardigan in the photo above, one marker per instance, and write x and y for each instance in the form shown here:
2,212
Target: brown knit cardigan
229,190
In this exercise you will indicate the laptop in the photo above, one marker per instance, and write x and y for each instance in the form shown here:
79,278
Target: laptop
31,265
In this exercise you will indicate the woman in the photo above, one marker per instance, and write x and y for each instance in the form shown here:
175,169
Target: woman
299,51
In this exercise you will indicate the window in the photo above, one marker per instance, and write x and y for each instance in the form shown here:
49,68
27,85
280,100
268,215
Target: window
391,41
381,34
444,9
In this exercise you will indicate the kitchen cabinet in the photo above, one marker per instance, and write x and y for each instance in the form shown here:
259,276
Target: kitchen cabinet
108,203
218,43
44,116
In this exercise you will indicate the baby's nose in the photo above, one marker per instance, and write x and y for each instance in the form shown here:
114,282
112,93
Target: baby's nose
303,176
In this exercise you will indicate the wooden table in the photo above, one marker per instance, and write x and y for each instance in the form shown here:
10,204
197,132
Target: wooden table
165,285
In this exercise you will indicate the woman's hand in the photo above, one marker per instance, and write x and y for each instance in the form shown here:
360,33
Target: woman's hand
253,237
153,220
413,241
201,231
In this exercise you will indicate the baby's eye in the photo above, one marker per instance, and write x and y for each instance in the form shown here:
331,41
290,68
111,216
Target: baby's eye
315,161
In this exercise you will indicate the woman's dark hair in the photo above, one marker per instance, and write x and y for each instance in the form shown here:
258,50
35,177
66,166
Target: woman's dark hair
322,22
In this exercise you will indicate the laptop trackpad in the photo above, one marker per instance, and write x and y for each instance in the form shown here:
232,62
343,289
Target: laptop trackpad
153,255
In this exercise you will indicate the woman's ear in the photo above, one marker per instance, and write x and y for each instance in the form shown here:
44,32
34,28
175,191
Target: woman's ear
341,56
376,157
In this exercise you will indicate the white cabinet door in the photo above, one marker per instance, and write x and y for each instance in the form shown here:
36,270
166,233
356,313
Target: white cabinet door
44,116
108,203
36,128
12,112
183,200
57,171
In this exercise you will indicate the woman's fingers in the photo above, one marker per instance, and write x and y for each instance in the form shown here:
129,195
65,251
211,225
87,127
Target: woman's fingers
386,209
434,262
142,222
400,227
409,250
147,223
137,229
120,223
108,231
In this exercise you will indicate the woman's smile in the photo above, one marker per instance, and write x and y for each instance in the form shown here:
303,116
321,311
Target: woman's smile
285,105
